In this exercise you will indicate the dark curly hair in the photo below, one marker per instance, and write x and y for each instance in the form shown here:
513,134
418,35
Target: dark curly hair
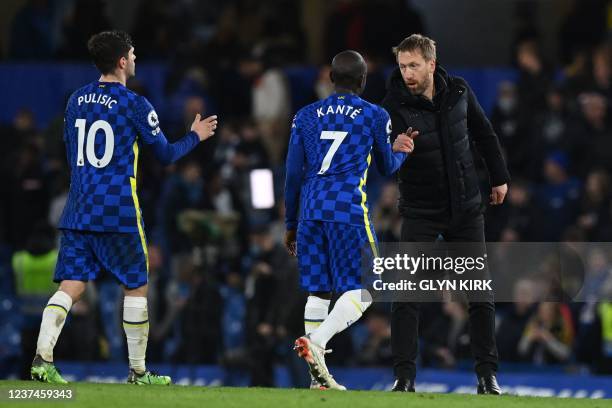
107,47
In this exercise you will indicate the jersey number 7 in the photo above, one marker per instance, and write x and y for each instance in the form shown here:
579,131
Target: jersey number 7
109,139
337,138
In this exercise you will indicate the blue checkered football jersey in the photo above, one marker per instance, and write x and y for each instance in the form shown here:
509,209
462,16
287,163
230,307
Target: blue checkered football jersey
105,125
329,156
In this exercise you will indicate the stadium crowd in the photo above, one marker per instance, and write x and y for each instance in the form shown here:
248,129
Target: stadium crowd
224,289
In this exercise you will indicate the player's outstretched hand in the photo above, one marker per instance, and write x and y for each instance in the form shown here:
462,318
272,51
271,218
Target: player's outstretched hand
290,242
404,142
204,128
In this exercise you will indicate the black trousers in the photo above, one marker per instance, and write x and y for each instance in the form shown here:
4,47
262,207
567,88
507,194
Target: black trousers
405,315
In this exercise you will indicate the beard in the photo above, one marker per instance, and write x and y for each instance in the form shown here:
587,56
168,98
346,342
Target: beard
420,87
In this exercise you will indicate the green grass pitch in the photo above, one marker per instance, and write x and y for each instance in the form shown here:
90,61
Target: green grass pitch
131,396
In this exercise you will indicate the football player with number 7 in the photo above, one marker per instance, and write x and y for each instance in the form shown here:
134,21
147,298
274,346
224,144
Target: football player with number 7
330,150
105,126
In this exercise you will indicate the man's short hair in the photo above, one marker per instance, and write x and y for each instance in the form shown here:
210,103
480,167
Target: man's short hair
348,69
425,45
107,47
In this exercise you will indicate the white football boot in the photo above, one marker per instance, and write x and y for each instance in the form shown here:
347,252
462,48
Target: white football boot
314,355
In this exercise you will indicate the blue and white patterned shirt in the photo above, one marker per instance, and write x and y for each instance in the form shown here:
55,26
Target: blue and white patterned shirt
332,142
105,125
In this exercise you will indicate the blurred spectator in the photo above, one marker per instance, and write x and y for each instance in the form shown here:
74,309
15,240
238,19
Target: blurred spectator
598,275
28,194
603,362
386,218
272,281
162,309
555,201
33,268
534,78
513,221
549,335
180,192
219,197
323,86
506,122
251,152
511,324
375,89
185,100
602,70
277,226
58,199
200,325
191,107
272,108
594,338
377,349
549,132
14,141
595,213
112,341
446,338
344,349
228,140
590,72
22,131
223,201
35,264
589,134
81,335
505,116
53,144
596,131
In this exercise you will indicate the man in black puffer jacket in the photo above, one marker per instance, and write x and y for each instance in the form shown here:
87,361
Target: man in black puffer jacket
439,192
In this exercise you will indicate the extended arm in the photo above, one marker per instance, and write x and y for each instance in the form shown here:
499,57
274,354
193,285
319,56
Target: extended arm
387,161
168,153
146,121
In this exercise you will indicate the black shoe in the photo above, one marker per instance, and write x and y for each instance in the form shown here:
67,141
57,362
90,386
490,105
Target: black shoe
488,385
403,385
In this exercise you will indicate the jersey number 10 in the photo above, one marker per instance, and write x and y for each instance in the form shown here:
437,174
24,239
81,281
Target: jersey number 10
109,138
